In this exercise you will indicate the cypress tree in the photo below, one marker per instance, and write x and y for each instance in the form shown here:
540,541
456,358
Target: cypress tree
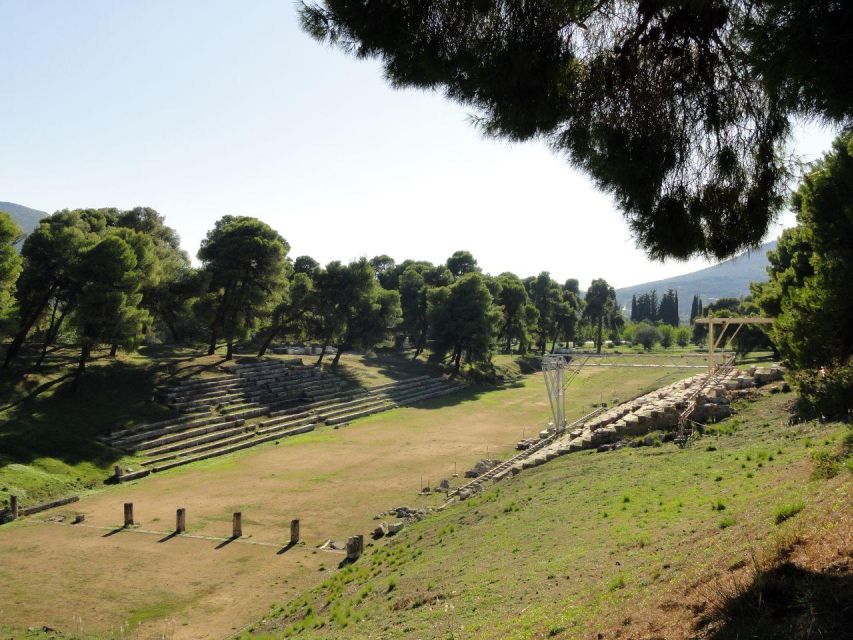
694,307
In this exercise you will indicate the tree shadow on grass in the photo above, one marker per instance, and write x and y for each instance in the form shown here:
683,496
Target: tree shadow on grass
789,602
400,368
48,419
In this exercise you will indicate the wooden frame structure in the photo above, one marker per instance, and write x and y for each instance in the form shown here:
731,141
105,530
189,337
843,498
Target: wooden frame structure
725,323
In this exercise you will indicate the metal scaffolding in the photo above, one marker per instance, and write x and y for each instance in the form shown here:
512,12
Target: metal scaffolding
559,371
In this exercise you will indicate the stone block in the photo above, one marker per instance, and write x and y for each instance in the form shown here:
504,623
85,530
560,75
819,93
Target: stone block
294,531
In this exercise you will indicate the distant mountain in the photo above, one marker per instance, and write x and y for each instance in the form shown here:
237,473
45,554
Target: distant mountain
729,279
27,219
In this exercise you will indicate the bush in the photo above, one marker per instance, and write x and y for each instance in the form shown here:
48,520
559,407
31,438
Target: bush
826,464
787,511
647,336
827,393
666,335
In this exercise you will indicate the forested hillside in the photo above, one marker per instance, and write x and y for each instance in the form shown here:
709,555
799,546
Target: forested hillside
729,279
27,219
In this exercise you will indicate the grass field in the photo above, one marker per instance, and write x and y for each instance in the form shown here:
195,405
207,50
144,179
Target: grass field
588,544
581,545
47,432
333,480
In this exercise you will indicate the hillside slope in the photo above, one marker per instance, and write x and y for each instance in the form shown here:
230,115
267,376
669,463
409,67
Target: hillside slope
729,279
27,219
583,545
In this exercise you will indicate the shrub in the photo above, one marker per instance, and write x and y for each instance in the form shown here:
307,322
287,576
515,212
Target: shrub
826,464
788,510
725,523
616,583
647,336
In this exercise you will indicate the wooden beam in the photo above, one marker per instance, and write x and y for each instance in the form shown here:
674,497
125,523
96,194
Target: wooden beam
741,320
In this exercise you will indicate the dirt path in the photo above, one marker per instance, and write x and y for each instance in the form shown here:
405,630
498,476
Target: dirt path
334,481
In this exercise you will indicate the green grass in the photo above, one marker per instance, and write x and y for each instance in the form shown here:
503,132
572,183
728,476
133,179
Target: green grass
47,430
788,510
565,545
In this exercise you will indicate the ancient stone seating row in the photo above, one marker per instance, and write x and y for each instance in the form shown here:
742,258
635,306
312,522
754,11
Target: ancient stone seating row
232,448
213,442
224,439
127,438
313,400
394,399
248,386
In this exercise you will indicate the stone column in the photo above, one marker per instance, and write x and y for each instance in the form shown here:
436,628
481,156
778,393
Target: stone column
128,514
181,520
294,531
237,525
352,549
13,507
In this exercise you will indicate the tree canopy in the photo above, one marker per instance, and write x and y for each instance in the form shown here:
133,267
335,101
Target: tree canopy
679,109
808,293
10,264
246,263
601,310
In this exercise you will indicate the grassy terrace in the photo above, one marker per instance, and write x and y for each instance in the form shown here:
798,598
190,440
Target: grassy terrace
334,480
589,541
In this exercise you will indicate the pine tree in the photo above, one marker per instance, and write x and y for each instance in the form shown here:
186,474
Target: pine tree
634,308
694,308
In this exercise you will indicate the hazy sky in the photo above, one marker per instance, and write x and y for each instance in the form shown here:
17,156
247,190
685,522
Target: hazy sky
201,109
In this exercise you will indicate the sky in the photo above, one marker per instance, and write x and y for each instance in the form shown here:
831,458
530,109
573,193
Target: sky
205,108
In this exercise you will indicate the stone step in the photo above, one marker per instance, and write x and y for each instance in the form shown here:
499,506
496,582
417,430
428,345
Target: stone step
331,416
221,439
285,419
360,414
226,398
150,426
178,394
137,436
193,440
248,414
235,447
176,437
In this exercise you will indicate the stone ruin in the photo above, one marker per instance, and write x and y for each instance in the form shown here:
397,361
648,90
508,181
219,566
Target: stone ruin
655,411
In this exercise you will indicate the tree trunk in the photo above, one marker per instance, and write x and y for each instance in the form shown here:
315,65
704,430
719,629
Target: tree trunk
322,353
229,352
456,358
211,349
266,345
18,340
85,351
554,343
113,349
337,357
170,324
48,337
598,341
419,348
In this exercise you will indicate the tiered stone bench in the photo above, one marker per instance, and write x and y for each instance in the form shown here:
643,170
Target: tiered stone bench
256,403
